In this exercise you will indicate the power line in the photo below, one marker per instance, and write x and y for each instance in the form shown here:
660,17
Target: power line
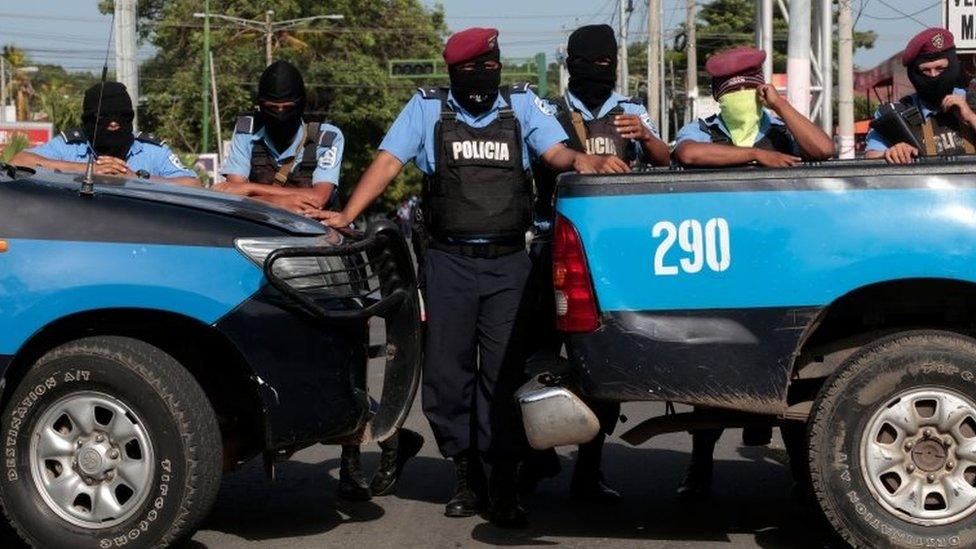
911,15
906,15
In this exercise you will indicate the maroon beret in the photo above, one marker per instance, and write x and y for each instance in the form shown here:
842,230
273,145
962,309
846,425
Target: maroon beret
470,43
733,62
928,42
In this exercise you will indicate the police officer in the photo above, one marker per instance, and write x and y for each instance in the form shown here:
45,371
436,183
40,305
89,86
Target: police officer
473,142
745,130
107,134
275,156
597,121
939,114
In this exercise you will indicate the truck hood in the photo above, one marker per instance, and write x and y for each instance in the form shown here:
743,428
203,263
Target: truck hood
189,197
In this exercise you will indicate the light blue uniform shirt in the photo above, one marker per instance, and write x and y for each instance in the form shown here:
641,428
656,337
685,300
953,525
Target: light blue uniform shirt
692,131
329,159
625,103
876,142
411,137
157,160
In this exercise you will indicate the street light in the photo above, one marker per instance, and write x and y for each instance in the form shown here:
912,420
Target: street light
268,27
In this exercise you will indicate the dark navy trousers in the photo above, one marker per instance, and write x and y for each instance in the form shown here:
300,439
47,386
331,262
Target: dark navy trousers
474,359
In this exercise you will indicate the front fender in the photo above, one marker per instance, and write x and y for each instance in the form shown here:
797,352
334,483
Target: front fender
44,280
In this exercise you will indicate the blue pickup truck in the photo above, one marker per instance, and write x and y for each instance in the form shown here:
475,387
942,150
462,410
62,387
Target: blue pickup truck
839,295
152,336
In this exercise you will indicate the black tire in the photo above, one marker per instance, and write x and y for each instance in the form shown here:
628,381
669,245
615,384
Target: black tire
868,383
174,411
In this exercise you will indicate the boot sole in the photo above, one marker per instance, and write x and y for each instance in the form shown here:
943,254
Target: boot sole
460,514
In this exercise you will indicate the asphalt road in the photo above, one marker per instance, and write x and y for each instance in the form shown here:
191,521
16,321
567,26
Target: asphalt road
751,504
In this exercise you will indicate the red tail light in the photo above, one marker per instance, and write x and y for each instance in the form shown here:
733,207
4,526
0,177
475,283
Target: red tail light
575,302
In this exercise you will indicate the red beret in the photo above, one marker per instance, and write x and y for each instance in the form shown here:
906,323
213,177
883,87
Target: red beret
928,42
733,62
470,43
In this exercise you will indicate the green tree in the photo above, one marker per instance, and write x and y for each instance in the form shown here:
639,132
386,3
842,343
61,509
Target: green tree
344,63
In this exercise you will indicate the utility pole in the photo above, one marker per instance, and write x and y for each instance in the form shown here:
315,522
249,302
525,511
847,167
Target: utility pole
563,73
268,27
764,35
845,79
623,72
126,66
216,108
798,57
204,78
3,89
654,69
268,35
691,70
827,66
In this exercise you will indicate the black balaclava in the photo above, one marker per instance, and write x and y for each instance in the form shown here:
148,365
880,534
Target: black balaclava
116,106
476,90
590,82
281,81
933,89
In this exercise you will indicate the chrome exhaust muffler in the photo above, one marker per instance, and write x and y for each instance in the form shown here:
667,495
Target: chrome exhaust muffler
554,416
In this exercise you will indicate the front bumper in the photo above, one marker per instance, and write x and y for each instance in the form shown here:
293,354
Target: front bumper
307,343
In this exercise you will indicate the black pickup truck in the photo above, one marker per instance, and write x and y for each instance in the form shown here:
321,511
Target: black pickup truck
152,336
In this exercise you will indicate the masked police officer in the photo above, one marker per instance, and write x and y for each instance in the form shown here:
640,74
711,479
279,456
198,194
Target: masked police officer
473,142
745,130
597,121
107,133
277,157
939,116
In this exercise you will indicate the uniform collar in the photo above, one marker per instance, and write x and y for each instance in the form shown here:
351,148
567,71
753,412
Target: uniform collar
927,112
608,105
456,107
292,149
767,121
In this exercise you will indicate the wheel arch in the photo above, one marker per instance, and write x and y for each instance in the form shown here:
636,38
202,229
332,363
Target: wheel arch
873,311
214,362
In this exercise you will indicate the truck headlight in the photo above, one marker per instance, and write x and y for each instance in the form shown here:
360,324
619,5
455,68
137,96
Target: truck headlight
334,275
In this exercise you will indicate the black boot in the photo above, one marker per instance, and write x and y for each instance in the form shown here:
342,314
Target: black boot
506,511
352,482
588,482
396,451
698,480
465,500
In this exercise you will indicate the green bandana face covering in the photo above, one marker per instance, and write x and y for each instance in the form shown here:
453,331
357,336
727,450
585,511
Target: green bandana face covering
741,114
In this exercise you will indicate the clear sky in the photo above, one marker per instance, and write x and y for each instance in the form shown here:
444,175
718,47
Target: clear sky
72,32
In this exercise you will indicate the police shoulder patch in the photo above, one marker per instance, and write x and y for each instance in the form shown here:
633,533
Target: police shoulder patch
646,119
246,124
74,135
328,158
147,137
545,107
175,161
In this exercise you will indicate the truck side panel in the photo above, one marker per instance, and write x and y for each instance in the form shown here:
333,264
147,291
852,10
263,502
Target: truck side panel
704,296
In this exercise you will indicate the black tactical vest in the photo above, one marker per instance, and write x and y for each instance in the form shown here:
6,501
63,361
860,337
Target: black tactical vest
949,136
479,188
601,135
777,138
263,166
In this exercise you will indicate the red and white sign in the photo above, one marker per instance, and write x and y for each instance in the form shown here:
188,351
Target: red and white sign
37,133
